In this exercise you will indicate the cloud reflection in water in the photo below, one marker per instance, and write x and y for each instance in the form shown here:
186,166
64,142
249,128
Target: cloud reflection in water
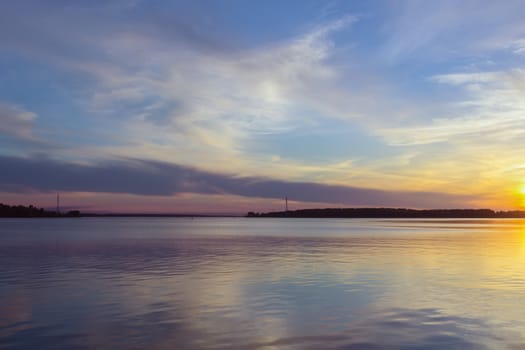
215,284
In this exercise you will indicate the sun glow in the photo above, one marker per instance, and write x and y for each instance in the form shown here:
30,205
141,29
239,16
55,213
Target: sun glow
521,193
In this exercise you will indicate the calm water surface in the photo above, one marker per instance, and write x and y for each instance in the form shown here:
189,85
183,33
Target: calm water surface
238,283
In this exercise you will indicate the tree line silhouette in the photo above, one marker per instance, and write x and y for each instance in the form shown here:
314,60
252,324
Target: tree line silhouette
20,211
390,213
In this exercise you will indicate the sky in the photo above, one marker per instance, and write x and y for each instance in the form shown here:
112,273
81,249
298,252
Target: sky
229,106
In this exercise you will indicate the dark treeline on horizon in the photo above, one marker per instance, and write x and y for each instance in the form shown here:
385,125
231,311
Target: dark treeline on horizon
20,211
390,213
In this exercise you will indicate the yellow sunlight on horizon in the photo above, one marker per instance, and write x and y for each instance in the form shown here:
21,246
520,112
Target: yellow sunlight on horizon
521,193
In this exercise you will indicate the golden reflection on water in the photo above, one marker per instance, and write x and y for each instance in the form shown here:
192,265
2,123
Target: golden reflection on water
522,240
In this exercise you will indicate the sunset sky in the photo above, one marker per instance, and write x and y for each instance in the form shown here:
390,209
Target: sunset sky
229,106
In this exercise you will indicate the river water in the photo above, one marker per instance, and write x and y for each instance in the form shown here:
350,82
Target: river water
261,283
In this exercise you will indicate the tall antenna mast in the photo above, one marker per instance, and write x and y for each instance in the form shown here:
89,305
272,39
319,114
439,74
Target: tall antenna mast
58,203
286,203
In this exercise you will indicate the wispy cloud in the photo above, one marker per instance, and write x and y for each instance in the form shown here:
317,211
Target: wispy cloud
439,31
16,122
492,112
518,46
208,107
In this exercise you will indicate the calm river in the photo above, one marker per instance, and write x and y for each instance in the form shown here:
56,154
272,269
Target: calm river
240,283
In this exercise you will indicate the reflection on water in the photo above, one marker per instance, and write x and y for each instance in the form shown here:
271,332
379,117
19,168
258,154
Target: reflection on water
261,283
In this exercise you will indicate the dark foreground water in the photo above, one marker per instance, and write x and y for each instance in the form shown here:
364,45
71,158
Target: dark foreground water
164,283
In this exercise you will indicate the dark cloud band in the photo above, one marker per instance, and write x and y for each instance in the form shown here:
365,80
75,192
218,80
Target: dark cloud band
151,178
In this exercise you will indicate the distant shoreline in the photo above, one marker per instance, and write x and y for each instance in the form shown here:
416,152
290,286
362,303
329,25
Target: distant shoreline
392,213
19,211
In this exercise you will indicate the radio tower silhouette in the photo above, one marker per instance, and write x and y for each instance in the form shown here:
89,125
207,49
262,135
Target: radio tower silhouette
286,203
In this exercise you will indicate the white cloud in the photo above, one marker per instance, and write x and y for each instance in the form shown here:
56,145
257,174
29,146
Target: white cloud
16,122
467,78
518,46
493,111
